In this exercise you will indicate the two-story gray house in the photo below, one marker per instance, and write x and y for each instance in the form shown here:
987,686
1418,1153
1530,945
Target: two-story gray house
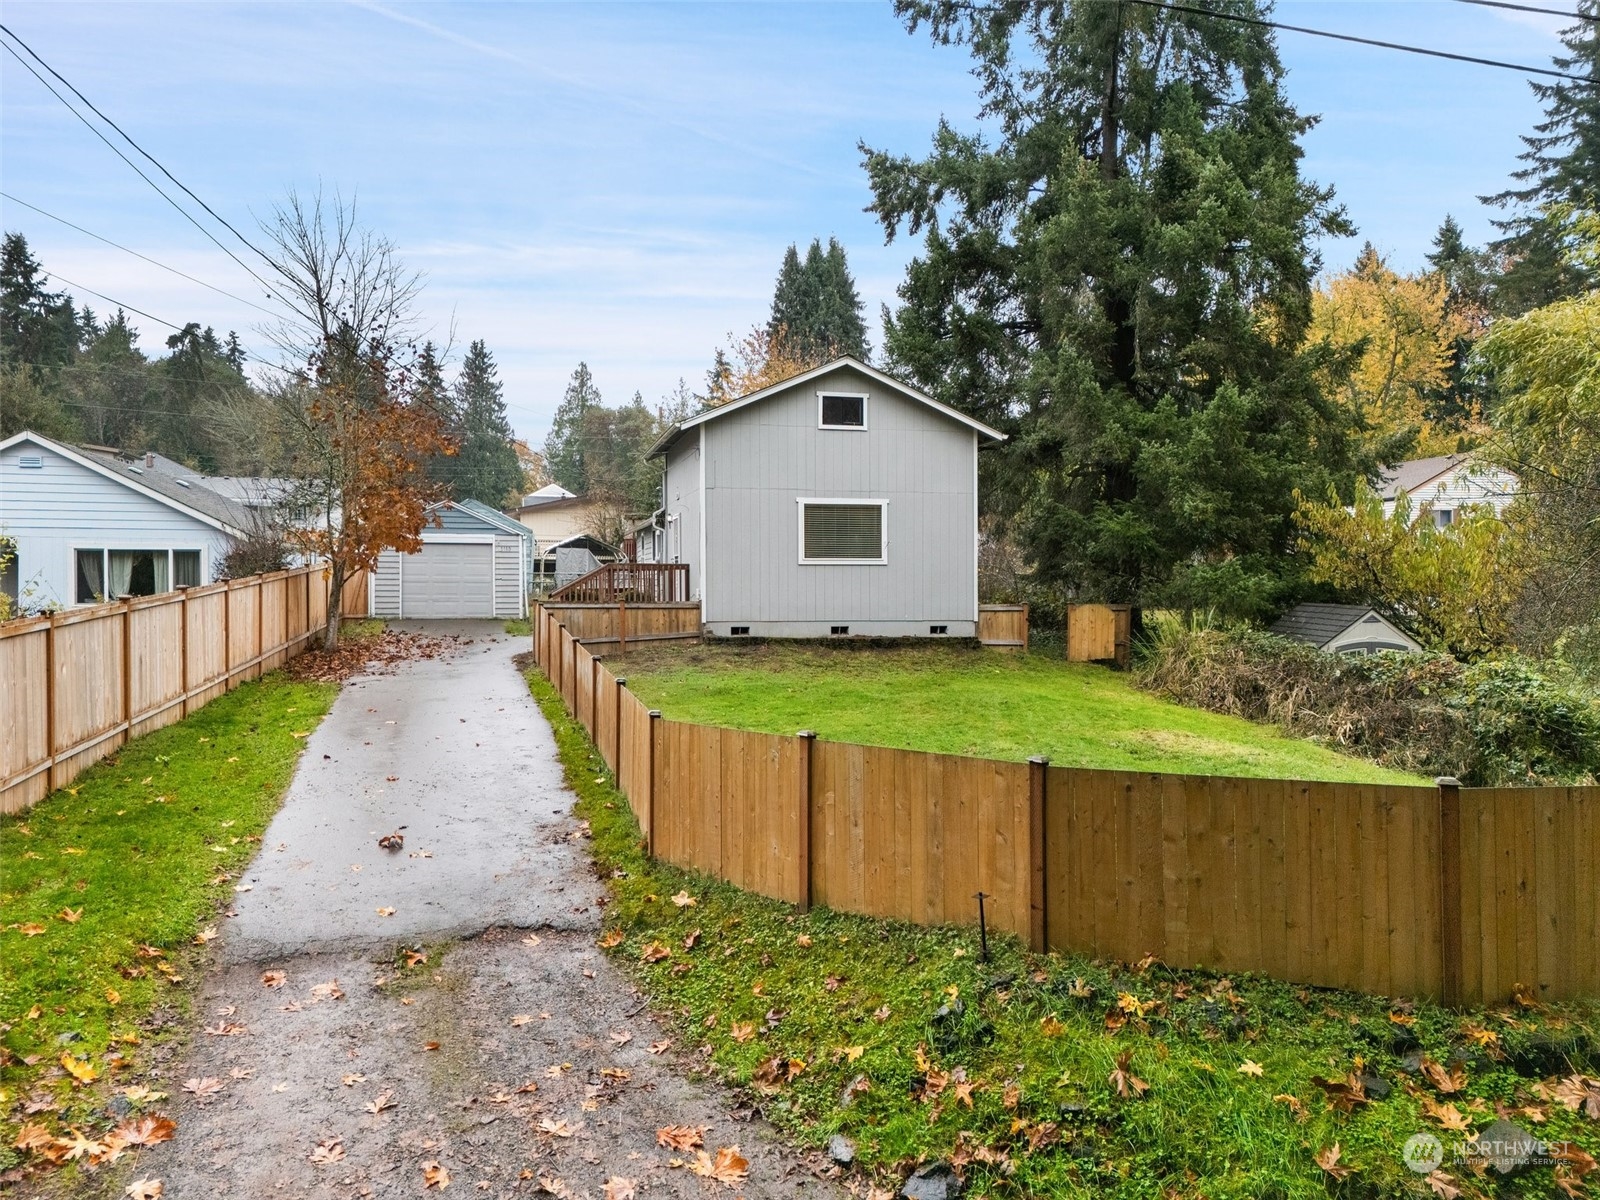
840,502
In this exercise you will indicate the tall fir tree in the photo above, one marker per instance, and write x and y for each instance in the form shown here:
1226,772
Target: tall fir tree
1123,283
1560,178
565,449
1468,277
816,311
485,466
38,328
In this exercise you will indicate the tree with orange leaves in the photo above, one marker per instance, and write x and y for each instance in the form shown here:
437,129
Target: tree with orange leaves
354,434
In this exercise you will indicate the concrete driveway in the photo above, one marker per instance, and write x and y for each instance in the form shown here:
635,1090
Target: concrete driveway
325,1062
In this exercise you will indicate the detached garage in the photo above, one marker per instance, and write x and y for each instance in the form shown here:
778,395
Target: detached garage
474,562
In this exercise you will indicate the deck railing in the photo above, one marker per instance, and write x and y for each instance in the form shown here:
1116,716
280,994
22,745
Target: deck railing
629,582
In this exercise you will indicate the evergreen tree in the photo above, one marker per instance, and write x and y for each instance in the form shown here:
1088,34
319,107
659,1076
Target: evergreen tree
1562,176
816,311
37,327
1468,278
1123,284
234,352
485,466
565,451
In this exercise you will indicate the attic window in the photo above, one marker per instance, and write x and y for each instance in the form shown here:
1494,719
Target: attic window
31,462
842,410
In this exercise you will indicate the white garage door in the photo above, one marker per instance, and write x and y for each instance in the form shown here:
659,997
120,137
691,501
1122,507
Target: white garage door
448,579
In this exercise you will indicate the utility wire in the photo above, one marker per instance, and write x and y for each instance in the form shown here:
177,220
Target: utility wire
1362,41
118,303
136,254
152,159
1532,8
185,213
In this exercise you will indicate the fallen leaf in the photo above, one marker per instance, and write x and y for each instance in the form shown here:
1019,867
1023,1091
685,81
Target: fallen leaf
434,1176
660,1047
30,929
521,1019
611,939
430,1045
199,1088
273,979
145,1131
329,1150
655,952
558,1128
1328,1159
726,1166
70,916
621,1037
684,900
385,912
80,1070
1447,1082
352,1079
618,1188
1448,1115
1344,1095
225,1029
679,1137
1123,1080
1250,1067
742,1031
1051,1027
1442,1185
381,1102
144,1189
328,991
209,933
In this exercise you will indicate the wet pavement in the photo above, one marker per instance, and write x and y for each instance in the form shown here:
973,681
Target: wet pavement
512,1058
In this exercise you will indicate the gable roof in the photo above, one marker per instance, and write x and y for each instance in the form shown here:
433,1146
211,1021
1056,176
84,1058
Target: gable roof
1419,472
1319,624
200,503
493,516
666,441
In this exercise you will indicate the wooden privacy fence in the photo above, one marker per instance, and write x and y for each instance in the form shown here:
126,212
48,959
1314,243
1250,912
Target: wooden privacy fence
1443,892
1099,633
623,623
644,583
78,684
1003,625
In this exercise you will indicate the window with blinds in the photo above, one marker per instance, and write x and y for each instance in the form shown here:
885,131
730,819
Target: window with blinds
835,531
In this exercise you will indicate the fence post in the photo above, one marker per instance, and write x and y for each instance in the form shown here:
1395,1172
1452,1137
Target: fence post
616,734
622,625
808,739
594,699
50,703
127,670
1450,888
183,649
261,617
650,794
1038,913
227,636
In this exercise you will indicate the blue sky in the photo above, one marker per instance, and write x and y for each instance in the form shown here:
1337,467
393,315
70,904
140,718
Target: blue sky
617,182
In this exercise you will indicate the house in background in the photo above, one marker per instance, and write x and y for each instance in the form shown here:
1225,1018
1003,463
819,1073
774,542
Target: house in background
1344,629
88,523
474,562
840,502
566,528
1445,484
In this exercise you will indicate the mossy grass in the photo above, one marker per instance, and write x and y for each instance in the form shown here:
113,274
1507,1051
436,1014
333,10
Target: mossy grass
119,873
962,699
747,981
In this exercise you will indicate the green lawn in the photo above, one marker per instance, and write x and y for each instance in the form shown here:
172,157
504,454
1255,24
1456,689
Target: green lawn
1009,1067
960,700
107,883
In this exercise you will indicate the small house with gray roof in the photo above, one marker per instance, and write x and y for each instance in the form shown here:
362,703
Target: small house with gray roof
1445,484
82,524
1344,629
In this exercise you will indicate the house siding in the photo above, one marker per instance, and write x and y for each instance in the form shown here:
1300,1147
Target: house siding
64,506
1466,484
511,556
682,504
761,460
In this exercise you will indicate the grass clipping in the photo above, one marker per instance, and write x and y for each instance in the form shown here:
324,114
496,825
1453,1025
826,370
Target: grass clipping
1051,1074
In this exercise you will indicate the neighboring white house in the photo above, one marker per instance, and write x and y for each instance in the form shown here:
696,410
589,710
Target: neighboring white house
88,524
1344,629
474,562
839,502
1445,484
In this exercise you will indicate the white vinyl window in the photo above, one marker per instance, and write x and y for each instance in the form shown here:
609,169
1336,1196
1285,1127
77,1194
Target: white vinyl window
842,410
844,531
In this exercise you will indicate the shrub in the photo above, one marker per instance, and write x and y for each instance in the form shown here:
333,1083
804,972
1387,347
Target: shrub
1502,721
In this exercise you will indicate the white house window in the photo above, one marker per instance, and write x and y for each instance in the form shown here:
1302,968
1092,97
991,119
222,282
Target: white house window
844,531
1443,517
842,410
185,568
10,572
114,574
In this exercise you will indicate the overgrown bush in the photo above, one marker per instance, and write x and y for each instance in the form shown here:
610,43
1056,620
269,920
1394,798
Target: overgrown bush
1509,720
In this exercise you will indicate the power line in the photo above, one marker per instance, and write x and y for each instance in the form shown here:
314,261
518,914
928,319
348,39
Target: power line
152,159
1362,41
1532,8
136,254
118,303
